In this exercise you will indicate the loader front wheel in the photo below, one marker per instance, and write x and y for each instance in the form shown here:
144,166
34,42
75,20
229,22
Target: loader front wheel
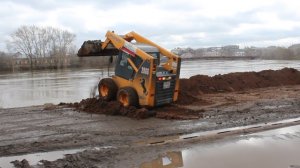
128,97
107,89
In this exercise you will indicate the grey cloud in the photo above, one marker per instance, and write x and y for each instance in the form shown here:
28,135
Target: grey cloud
217,30
55,4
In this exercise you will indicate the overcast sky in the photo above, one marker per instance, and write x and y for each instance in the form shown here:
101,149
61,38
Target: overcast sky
171,23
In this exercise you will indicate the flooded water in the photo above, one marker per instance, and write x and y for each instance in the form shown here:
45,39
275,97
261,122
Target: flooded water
279,148
40,87
34,158
214,67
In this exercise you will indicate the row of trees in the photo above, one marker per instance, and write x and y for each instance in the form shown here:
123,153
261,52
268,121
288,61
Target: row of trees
225,51
292,52
36,47
4,61
275,52
42,42
272,52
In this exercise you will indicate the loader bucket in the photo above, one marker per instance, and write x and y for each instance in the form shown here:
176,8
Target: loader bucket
93,48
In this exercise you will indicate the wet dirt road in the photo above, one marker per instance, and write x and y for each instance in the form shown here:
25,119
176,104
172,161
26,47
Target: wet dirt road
274,148
49,128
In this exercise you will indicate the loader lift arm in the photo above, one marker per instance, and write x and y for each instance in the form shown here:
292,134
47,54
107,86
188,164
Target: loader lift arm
114,43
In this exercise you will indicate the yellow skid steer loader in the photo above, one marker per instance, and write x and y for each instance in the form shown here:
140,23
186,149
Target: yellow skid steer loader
145,73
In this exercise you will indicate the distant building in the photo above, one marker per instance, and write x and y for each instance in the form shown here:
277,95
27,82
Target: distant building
187,55
231,47
41,62
224,51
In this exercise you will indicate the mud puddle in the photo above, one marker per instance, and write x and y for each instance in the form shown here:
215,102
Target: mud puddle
221,133
245,129
34,158
275,148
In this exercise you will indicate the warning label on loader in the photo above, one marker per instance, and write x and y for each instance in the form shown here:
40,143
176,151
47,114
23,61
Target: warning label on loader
129,48
145,71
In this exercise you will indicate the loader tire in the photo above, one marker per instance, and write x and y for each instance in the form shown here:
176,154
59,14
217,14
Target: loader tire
107,89
127,96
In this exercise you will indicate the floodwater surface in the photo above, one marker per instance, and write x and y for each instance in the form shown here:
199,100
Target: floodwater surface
279,148
40,87
34,158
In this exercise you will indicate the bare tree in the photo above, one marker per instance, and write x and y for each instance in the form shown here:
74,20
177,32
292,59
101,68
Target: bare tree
21,40
2,59
199,52
295,51
61,44
274,52
7,61
42,42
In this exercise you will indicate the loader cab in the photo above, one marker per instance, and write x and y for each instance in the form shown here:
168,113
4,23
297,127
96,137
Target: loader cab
125,70
164,80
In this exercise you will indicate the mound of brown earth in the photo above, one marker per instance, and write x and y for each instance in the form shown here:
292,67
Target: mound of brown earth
99,106
174,112
200,84
190,89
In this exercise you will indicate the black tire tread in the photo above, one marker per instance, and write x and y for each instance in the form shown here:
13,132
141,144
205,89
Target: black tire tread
112,87
133,96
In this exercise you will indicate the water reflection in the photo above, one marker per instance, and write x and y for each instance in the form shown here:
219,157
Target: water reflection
254,150
34,158
37,88
168,160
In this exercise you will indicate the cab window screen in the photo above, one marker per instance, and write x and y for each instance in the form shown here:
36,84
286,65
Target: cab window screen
123,68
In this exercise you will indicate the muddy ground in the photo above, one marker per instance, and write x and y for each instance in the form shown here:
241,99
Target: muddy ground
65,126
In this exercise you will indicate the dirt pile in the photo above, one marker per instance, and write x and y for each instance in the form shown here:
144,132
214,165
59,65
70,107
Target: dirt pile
99,106
173,112
201,84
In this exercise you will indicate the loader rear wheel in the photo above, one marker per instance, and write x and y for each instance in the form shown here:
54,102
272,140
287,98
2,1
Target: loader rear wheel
107,89
128,97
